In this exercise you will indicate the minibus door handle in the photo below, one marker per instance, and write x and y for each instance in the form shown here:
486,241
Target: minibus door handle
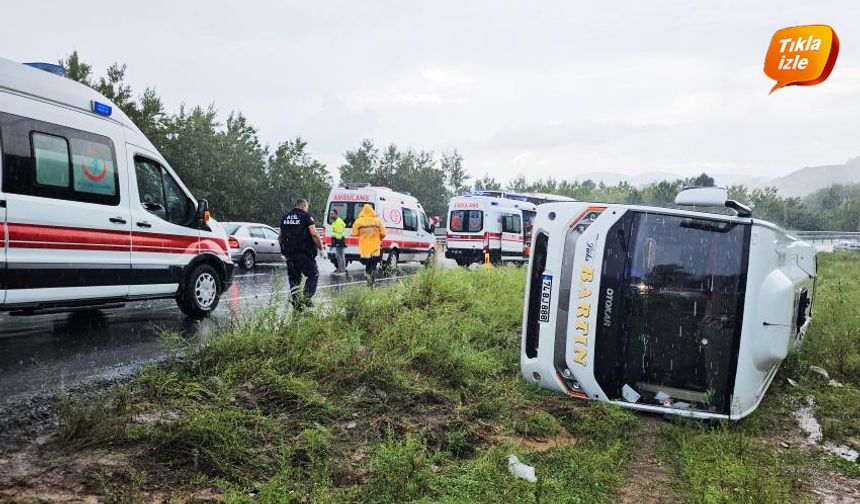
117,220
144,224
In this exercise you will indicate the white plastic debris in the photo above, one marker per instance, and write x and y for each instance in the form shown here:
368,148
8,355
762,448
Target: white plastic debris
661,396
843,452
834,383
792,382
629,394
520,470
821,371
680,405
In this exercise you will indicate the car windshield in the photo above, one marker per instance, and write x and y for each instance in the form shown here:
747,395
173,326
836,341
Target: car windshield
230,228
670,309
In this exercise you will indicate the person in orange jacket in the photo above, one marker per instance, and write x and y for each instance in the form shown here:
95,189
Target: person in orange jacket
370,231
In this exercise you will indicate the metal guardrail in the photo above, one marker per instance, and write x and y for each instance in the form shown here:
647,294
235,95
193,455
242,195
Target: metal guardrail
810,236
826,236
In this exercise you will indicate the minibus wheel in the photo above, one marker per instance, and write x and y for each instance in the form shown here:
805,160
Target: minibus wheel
200,292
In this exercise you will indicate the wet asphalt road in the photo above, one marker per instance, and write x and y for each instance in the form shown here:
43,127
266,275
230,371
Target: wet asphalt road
43,354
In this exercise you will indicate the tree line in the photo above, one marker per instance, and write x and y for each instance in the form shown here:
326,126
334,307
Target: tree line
223,160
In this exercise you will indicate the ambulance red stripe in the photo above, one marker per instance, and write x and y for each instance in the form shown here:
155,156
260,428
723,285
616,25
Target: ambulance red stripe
59,237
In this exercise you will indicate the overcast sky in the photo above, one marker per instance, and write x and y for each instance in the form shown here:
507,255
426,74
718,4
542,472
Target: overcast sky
534,87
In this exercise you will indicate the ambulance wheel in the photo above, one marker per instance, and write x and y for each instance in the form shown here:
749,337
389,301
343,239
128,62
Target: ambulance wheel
200,293
247,260
464,263
393,257
431,258
333,263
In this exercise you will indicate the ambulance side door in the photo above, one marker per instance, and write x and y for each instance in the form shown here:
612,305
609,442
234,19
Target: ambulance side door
2,232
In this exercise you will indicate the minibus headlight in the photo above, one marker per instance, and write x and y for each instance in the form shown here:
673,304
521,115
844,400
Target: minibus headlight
581,223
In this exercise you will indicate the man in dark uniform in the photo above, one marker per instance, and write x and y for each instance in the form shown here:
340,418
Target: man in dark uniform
300,244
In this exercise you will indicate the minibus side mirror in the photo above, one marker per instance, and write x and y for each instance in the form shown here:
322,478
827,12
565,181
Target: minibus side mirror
201,217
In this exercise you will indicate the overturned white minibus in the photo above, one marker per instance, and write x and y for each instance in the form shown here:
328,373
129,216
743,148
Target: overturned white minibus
663,310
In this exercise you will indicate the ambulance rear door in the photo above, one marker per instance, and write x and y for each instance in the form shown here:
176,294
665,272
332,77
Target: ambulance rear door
512,235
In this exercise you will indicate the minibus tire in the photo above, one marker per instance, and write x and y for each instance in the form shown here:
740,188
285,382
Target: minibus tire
189,299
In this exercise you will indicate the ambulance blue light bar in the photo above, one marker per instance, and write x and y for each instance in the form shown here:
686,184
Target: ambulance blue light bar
101,109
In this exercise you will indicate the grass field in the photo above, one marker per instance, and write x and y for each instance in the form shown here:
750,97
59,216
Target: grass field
413,394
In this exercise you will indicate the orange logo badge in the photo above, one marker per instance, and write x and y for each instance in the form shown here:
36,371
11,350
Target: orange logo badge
801,55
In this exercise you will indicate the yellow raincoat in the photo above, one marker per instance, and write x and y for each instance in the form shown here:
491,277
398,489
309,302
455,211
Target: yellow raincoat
370,231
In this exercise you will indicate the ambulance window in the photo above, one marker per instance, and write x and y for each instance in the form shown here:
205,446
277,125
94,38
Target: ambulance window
42,159
52,160
476,221
93,168
410,220
425,222
340,207
150,187
356,211
511,224
180,208
455,223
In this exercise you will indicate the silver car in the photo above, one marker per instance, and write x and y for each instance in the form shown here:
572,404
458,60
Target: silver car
843,245
252,243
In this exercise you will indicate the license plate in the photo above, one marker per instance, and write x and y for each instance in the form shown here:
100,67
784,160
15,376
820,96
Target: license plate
545,298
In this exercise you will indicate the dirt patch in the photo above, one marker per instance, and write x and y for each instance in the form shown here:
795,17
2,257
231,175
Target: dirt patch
26,475
649,474
832,488
562,440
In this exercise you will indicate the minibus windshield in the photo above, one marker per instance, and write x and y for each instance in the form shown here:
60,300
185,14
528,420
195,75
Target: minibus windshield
670,310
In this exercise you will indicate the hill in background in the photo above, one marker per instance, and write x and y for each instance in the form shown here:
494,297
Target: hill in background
798,183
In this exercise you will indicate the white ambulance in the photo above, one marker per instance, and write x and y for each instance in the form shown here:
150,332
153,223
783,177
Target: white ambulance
409,233
90,213
663,310
478,223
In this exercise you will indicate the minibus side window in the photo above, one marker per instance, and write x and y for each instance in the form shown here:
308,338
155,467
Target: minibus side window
476,221
410,220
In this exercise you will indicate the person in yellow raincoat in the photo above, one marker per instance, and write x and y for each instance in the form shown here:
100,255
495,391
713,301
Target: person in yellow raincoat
370,231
